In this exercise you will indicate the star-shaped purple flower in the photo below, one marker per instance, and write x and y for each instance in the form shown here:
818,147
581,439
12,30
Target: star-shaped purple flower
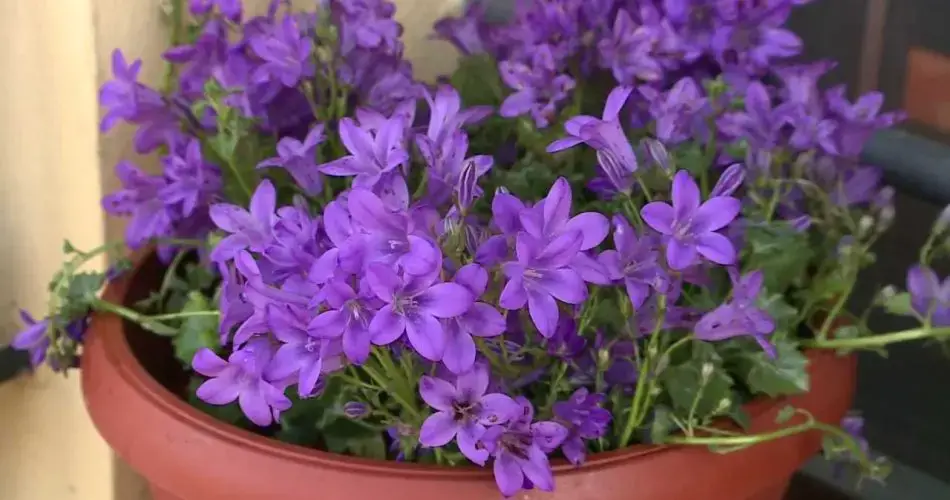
250,229
413,307
690,225
299,159
300,353
463,412
482,320
635,262
740,316
930,297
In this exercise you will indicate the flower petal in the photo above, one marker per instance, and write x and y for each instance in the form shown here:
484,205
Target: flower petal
426,336
557,205
922,282
255,407
460,349
263,202
686,196
471,385
592,225
446,300
387,326
508,475
538,470
437,393
438,430
231,218
660,216
207,363
548,435
615,101
680,255
329,324
513,296
218,391
422,257
564,284
383,281
716,213
473,277
497,409
358,141
467,440
716,248
543,311
483,320
560,251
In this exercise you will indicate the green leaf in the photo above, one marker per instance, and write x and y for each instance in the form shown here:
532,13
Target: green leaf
899,304
68,247
782,313
780,252
786,374
348,437
196,332
683,383
739,415
477,81
662,424
785,414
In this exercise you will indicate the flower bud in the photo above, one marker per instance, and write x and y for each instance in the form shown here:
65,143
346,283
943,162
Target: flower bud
468,183
943,220
729,181
707,371
886,294
885,218
724,405
800,224
865,225
355,410
658,153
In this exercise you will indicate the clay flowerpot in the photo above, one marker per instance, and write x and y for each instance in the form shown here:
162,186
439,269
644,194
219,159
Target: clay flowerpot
129,378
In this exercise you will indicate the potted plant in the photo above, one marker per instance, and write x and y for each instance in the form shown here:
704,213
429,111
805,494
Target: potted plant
597,257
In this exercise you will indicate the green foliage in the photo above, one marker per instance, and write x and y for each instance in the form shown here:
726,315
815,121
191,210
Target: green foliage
196,332
478,82
690,389
780,252
784,375
785,414
662,424
899,304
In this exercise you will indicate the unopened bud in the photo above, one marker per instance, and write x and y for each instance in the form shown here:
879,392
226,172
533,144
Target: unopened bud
658,153
729,181
885,218
943,220
707,371
865,224
355,410
724,404
603,358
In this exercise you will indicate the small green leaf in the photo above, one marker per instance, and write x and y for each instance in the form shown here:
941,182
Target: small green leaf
68,247
196,332
348,437
785,414
683,383
786,374
662,424
899,304
780,252
739,415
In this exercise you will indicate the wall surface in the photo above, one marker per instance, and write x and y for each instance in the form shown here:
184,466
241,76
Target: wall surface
53,170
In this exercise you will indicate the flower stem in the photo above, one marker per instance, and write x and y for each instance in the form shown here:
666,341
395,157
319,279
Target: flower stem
156,323
875,341
638,411
553,392
835,311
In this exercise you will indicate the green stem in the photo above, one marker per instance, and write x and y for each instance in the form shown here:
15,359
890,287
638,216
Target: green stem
835,311
553,392
401,389
152,323
875,341
638,412
308,93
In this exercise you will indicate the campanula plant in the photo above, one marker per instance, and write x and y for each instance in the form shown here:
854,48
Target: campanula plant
592,234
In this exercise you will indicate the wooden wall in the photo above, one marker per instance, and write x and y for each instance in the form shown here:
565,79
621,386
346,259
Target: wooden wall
54,168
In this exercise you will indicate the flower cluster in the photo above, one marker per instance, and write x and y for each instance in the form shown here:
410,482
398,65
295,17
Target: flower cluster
346,244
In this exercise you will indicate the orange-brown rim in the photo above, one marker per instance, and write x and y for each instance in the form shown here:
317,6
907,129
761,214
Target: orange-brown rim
118,352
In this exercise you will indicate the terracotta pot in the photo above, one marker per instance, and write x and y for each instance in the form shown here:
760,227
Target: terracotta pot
187,455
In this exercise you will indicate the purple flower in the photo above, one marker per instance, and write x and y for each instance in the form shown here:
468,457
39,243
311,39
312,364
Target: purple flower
229,8
301,353
139,198
690,225
679,112
481,320
741,315
859,120
566,343
634,262
349,316
250,229
614,152
584,419
446,115
286,54
628,52
752,45
463,412
520,449
33,338
126,98
760,123
550,243
930,297
366,24
413,307
191,181
371,155
465,32
446,161
299,159
538,85
391,237
242,377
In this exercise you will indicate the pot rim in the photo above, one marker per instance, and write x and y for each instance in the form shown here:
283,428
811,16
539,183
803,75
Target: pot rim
118,353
